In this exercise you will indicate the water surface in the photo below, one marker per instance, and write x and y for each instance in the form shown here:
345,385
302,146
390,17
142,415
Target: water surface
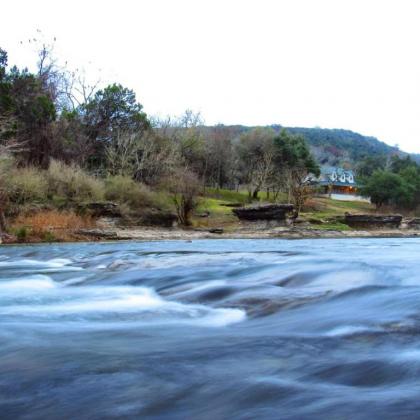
211,329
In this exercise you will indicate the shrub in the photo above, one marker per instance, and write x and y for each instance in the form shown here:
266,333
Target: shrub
125,190
26,185
71,183
22,233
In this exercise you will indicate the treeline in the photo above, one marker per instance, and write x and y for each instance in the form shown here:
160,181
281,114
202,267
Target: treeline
52,121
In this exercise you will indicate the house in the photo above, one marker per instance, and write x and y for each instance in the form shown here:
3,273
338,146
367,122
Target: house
338,183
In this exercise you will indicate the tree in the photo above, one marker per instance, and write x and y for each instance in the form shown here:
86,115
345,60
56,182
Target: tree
367,166
146,158
298,166
111,111
219,157
184,187
256,158
71,145
399,164
26,114
387,188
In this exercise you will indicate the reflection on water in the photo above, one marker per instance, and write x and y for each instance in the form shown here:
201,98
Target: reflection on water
211,329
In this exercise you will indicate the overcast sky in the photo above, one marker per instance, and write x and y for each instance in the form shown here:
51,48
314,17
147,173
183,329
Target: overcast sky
351,64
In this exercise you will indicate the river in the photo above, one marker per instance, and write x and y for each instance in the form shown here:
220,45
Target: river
211,329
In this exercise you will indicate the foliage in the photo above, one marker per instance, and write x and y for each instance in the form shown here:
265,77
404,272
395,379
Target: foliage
26,185
112,110
386,188
22,233
125,190
73,183
367,166
297,164
27,113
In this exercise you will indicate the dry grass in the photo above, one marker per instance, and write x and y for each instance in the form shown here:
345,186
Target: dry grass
51,225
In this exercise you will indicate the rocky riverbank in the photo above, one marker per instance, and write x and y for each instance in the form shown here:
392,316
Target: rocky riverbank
158,234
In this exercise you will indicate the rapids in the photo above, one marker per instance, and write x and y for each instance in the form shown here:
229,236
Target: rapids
211,329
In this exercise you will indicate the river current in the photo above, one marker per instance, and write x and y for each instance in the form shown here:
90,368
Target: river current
211,329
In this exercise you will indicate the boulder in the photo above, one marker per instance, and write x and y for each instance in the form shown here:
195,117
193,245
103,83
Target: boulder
413,223
276,212
373,221
219,231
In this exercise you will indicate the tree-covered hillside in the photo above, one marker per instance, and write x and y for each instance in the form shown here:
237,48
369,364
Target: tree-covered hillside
337,146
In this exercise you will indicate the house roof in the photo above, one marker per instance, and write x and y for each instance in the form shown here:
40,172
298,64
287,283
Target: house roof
328,170
331,175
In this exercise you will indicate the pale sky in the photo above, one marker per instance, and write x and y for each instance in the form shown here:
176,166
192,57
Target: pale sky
351,64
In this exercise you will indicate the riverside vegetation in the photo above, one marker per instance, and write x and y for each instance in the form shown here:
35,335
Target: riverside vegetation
66,145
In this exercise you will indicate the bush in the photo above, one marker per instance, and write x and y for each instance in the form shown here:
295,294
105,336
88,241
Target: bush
26,185
387,188
22,234
125,190
71,183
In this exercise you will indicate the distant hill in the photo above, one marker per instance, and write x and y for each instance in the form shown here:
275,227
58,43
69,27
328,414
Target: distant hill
336,147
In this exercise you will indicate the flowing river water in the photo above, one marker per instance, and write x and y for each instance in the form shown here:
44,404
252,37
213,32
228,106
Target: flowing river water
211,329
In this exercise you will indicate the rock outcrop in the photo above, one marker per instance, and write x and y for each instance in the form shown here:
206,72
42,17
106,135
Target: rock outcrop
160,218
268,212
100,209
413,223
373,221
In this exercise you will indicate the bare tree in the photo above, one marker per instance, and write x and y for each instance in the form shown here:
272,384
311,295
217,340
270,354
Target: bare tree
67,88
146,157
256,153
300,187
184,186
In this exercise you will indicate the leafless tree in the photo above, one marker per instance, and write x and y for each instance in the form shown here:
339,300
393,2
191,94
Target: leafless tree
184,186
147,157
256,153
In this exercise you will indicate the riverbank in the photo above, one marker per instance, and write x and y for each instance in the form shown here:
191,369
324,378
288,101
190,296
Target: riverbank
160,234
213,219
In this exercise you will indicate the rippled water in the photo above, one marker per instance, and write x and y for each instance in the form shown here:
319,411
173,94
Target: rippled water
218,329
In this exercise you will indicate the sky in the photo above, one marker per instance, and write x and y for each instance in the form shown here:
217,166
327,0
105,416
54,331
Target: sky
352,64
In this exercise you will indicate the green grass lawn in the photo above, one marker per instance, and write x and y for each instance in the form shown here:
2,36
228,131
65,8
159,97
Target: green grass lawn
321,212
